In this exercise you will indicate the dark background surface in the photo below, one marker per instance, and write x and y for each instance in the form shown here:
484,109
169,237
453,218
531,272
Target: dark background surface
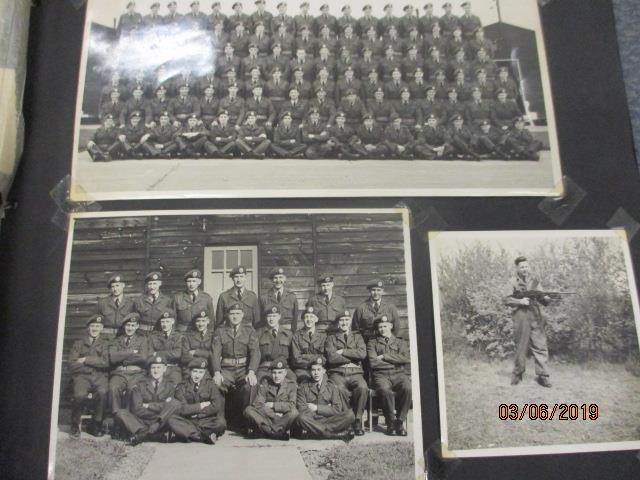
597,154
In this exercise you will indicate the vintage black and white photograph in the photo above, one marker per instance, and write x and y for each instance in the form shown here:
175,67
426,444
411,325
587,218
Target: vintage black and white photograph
237,344
537,342
180,98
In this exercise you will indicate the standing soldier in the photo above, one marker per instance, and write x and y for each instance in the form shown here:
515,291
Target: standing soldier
388,357
366,21
428,19
153,303
478,111
469,22
152,404
104,141
183,106
111,107
221,140
388,19
371,86
128,356
252,138
327,305
448,21
261,16
522,143
201,417
504,82
173,17
89,365
130,21
238,16
158,105
265,112
261,40
322,411
353,108
345,352
282,297
167,343
197,344
306,345
235,359
304,19
432,106
372,308
285,40
195,19
326,106
114,307
274,408
286,140
239,294
327,19
216,17
529,324
137,103
274,342
408,21
192,301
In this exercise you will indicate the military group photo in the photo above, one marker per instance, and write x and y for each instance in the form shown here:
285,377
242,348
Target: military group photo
298,334
538,342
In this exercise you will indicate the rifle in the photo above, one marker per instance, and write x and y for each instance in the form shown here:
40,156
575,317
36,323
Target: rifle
539,294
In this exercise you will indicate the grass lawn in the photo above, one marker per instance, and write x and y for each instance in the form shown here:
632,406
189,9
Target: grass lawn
475,389
88,459
389,461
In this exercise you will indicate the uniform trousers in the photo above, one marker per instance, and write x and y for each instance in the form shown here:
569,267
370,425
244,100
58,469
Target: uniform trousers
354,390
530,336
84,384
197,426
120,383
267,422
393,387
325,427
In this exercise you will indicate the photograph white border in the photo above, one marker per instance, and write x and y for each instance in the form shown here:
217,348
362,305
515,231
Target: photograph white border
419,457
442,402
342,177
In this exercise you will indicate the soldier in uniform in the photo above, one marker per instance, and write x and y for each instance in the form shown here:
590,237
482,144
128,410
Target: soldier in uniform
252,139
191,138
168,344
216,17
300,84
428,19
520,141
173,17
251,61
296,106
389,63
152,404
417,86
431,105
372,308
326,304
433,141
276,89
183,107
469,22
274,342
162,138
135,104
325,18
380,108
302,62
151,304
398,138
487,87
369,139
112,107
394,87
306,345
239,294
479,41
323,413
304,19
209,105
133,139
195,19
104,141
409,111
261,40
388,19
371,86
462,140
153,20
286,139
284,298
238,16
483,61
89,364
529,324
452,107
459,64
197,344
388,357
325,106
455,43
366,21
408,21
412,62
353,108
328,40
235,359
221,140
314,135
234,106
489,142
265,112
239,40
325,69
349,82
128,356
349,40
345,352
273,410
130,21
283,38
158,105
229,60
504,112
478,111
448,21
504,82
305,41
433,38
114,307
201,414
340,139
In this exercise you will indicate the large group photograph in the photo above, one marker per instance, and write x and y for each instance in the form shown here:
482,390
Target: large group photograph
536,342
439,98
224,343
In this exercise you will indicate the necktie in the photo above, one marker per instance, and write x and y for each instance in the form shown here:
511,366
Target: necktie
196,387
193,297
93,340
166,335
235,330
155,387
239,293
278,296
274,332
311,337
386,340
127,341
117,302
376,307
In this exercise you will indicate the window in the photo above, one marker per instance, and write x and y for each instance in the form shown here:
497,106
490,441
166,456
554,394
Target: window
220,260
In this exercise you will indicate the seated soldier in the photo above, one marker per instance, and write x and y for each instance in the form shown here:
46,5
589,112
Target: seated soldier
135,104
152,404
279,61
303,86
89,366
412,62
265,112
234,106
132,139
251,61
345,352
487,87
303,63
162,138
340,138
504,82
504,112
520,141
478,110
432,143
314,135
409,111
365,315
327,64
286,138
369,139
353,108
276,89
417,86
255,80
201,414
183,107
393,88
128,356
461,140
325,106
197,344
274,342
380,108
306,345
111,107
297,106
489,142
371,85
388,357
273,410
252,138
104,141
191,138
323,413
209,105
398,138
167,343
235,359
221,137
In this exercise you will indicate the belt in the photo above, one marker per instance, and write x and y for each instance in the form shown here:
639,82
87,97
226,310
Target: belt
266,364
348,370
234,362
172,364
109,330
129,368
145,327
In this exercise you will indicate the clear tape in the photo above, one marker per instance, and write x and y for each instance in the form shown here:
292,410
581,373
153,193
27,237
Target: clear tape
559,209
60,195
623,220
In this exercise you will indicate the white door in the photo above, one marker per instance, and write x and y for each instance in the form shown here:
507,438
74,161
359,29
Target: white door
220,260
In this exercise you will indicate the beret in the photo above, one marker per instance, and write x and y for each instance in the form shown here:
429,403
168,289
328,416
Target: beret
309,310
520,259
394,116
456,117
195,273
279,364
271,309
215,4
428,6
172,4
157,359
388,6
323,6
237,4
235,306
407,7
286,113
446,4
304,4
318,361
223,112
194,115
155,5
250,113
367,116
200,314
452,90
431,116
382,319
484,122
375,284
115,278
194,3
198,363
281,4
465,4
95,319
130,4
276,271
342,115
153,276
167,313
239,269
366,7
328,278
131,317
344,314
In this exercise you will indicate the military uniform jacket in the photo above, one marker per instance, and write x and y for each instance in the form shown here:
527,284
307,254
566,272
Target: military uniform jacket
332,46
249,302
152,21
308,44
202,344
474,45
343,85
263,42
283,397
183,106
406,22
216,18
144,392
434,137
369,89
478,111
249,63
375,136
172,19
133,105
157,107
251,133
509,86
462,134
327,108
353,111
469,23
288,302
150,311
317,130
282,135
376,45
521,137
264,17
488,89
495,135
207,391
381,111
276,91
328,398
342,135
418,90
431,40
170,348
185,133
398,136
392,90
111,108
240,43
409,110
133,134
432,107
328,309
353,349
135,354
263,108
409,65
112,314
386,21
351,43
273,348
451,109
286,20
395,351
388,65
364,23
426,23
366,313
243,345
503,113
304,349
129,22
195,21
488,66
225,63
304,88
96,356
286,41
163,134
186,307
235,106
304,20
242,18
209,107
105,137
298,111
530,313
448,23
330,64
453,45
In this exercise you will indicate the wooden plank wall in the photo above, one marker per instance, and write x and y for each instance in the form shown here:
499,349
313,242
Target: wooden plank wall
353,248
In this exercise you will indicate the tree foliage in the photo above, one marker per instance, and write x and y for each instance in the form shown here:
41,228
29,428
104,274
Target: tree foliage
595,324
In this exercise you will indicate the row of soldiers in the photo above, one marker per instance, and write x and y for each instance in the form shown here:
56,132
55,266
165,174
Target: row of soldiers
193,375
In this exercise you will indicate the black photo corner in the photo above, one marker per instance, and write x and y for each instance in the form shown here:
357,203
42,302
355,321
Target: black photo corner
598,163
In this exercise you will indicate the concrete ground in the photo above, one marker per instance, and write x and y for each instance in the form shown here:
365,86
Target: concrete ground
304,178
